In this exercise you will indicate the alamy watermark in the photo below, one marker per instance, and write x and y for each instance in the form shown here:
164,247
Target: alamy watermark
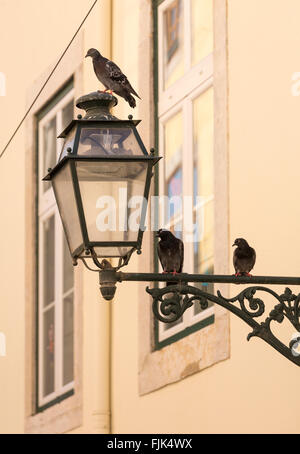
123,213
2,344
2,84
295,87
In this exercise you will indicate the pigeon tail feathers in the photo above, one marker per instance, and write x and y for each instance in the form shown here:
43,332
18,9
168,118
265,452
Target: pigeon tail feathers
134,92
131,101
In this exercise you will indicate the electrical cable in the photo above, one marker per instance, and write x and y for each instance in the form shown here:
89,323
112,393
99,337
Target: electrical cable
47,80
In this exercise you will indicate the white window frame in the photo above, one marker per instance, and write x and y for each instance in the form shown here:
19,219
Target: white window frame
46,208
179,97
193,76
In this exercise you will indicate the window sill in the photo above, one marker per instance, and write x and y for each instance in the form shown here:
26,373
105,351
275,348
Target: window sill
57,419
55,401
187,356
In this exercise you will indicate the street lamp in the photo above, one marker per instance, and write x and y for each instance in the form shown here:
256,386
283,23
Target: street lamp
101,182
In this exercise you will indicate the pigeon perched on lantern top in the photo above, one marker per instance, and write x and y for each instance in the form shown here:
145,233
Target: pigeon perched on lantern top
111,76
244,257
170,252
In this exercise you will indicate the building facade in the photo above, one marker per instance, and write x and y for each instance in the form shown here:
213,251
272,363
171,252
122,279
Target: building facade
220,104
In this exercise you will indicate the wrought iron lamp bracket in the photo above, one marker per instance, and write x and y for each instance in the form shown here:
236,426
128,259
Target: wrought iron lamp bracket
169,303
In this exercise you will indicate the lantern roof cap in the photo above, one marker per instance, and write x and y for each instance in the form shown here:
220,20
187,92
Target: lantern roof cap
98,107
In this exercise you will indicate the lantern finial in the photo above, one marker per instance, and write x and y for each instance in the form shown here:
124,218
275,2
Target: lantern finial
97,105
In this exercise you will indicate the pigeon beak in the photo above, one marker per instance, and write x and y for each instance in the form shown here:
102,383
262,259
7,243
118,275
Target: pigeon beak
234,244
87,55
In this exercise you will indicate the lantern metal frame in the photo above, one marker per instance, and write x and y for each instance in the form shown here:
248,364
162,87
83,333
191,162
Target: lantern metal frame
99,117
88,245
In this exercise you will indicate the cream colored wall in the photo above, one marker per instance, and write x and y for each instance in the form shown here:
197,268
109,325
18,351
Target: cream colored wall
264,161
255,390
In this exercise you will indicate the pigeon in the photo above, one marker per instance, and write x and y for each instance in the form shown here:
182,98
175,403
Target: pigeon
111,76
244,257
170,252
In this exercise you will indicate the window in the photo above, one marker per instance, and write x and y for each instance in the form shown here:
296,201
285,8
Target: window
55,375
185,118
172,17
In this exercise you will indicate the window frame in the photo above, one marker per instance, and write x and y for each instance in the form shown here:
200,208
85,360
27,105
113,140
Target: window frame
160,367
46,207
172,100
176,92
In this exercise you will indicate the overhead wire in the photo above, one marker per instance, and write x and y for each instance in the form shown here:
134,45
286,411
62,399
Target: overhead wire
47,80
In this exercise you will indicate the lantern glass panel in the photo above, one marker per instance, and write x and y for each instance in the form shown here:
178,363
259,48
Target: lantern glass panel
112,251
112,196
65,197
110,141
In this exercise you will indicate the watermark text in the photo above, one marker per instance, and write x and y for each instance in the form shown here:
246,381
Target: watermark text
2,84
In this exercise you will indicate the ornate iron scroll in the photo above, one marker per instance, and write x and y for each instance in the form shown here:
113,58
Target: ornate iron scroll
169,304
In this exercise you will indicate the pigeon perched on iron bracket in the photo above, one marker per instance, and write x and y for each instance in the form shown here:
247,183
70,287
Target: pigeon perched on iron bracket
244,257
170,252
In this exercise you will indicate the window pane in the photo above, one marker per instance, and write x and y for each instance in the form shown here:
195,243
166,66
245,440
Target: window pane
68,267
48,350
202,29
208,288
49,146
68,335
173,168
173,43
48,259
67,114
173,180
203,187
